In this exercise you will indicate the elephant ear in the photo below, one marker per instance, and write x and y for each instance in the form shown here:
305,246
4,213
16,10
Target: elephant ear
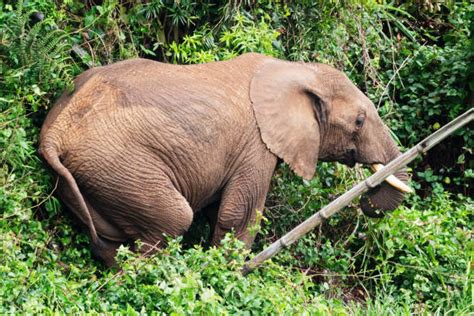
288,105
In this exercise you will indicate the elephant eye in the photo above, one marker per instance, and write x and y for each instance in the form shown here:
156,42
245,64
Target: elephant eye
360,121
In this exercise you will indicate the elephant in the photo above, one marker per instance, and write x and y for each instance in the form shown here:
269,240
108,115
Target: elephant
139,147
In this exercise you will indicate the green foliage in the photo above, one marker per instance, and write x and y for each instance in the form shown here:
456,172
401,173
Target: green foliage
173,281
435,92
422,252
412,61
31,74
242,37
35,60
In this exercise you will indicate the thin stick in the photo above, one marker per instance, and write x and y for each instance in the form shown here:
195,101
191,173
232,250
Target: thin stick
362,187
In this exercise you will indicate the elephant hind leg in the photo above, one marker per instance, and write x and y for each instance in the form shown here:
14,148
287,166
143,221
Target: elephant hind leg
151,218
163,212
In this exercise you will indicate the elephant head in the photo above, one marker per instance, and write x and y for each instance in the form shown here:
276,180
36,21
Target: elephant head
307,112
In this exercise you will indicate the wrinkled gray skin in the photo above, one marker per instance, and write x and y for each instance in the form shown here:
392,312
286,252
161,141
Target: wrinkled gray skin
140,146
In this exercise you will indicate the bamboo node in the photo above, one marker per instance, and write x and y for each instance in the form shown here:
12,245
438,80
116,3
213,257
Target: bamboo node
284,243
369,184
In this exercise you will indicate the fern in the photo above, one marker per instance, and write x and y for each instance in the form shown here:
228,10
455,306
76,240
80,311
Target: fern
41,51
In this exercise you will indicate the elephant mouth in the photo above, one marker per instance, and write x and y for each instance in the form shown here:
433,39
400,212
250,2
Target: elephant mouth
349,162
349,159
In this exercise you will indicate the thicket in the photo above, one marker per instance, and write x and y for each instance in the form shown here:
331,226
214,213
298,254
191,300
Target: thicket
413,59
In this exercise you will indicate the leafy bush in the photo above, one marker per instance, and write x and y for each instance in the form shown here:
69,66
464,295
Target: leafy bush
422,252
173,282
36,62
242,37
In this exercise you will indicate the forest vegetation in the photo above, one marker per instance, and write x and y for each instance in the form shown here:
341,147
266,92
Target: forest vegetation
414,59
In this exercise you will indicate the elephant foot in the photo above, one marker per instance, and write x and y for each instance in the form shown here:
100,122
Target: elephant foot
106,250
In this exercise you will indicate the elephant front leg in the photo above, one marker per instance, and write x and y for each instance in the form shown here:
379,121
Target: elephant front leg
242,222
241,201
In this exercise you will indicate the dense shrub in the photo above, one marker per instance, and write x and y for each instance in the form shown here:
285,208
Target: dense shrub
422,252
411,60
172,281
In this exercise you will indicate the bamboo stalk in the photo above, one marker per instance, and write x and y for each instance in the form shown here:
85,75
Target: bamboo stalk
362,187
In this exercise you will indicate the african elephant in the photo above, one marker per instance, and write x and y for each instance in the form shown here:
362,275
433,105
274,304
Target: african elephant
140,146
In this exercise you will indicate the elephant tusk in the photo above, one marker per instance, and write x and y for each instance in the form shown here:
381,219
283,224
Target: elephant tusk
393,181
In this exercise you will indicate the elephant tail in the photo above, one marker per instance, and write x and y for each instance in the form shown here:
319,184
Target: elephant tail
50,153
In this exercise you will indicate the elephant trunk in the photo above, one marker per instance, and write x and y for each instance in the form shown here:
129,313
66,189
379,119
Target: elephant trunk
384,197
